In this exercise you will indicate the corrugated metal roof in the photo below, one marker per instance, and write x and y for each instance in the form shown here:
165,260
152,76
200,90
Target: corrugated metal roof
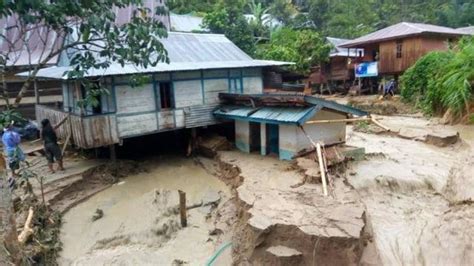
275,115
467,30
42,41
399,30
337,50
186,23
186,51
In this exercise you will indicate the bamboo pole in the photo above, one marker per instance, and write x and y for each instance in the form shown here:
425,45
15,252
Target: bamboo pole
347,120
377,123
321,169
182,208
320,161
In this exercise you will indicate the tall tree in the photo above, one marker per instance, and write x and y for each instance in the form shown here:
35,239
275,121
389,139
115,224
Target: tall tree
228,18
305,48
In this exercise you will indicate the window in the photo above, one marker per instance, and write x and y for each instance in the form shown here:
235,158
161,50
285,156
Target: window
399,49
166,95
104,99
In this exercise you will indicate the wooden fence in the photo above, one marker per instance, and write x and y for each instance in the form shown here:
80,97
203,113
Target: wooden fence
86,132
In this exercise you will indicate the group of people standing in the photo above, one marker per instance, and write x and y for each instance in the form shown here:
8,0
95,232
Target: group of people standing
14,154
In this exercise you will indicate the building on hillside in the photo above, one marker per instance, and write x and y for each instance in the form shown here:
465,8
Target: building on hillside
467,30
181,94
271,124
41,46
186,23
338,72
399,46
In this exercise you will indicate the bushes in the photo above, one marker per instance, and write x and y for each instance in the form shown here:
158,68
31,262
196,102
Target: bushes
442,80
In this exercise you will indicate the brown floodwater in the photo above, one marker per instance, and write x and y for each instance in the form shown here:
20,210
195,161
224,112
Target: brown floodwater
126,234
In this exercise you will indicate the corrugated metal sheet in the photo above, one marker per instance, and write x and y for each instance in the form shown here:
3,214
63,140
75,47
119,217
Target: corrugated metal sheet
399,30
116,69
198,116
186,23
186,51
42,41
276,115
339,51
467,30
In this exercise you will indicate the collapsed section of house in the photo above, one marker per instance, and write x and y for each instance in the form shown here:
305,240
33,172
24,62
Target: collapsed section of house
285,124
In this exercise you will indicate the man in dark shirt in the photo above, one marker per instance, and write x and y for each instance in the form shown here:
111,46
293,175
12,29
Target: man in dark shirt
51,147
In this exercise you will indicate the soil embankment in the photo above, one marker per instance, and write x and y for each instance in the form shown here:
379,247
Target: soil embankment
279,220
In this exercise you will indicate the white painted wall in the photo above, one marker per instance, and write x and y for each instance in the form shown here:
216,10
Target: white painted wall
288,138
253,85
136,124
212,88
135,100
187,93
242,138
327,133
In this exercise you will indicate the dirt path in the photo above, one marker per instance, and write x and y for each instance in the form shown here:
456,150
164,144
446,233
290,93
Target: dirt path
140,225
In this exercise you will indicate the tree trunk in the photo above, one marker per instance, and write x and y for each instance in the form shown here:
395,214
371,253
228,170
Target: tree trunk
10,252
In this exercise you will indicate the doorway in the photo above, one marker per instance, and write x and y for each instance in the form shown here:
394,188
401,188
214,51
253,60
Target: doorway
255,140
272,138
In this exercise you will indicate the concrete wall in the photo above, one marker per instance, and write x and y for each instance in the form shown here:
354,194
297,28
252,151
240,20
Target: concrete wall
263,139
326,133
292,139
242,138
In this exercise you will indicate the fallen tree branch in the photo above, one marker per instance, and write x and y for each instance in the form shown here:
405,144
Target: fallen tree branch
27,230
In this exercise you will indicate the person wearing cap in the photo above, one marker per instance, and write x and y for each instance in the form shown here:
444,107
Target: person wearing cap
11,141
51,147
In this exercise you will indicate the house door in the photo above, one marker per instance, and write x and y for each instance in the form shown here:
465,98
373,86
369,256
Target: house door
254,136
272,138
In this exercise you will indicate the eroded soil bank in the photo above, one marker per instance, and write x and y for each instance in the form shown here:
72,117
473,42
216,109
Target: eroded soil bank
140,223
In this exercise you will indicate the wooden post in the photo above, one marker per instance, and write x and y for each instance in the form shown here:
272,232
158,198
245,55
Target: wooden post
37,96
113,155
182,208
322,169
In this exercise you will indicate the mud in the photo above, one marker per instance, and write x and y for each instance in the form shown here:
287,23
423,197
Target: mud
140,225
408,189
274,213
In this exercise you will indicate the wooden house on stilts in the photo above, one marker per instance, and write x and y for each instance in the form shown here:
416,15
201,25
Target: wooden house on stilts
181,94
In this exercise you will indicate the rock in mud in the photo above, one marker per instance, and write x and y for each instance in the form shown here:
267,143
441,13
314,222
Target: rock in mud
436,137
442,139
97,215
460,184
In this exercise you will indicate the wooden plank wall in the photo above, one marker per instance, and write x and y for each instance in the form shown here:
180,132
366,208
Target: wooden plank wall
54,117
87,132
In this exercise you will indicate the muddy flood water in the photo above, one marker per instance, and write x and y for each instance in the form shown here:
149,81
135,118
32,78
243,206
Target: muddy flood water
140,223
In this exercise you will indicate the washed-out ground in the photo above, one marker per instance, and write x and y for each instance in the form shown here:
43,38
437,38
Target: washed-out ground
140,223
409,202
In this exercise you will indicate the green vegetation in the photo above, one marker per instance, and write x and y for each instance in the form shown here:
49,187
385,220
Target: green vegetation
443,81
227,18
100,40
304,47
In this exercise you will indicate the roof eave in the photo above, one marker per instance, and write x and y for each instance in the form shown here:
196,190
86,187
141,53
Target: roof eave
362,44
